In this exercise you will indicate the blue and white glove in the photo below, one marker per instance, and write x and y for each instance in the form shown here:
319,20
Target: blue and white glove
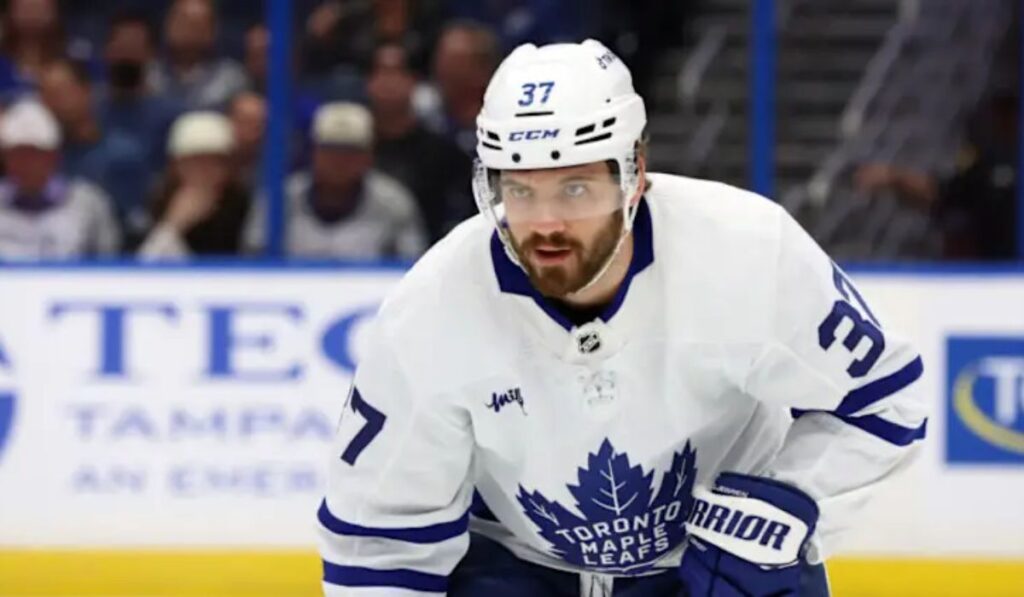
747,538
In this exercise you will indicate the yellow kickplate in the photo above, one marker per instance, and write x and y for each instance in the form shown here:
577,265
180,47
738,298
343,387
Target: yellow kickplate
146,573
296,574
897,577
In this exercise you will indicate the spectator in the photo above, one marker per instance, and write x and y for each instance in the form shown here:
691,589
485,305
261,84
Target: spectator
303,102
200,208
432,167
335,49
248,114
127,103
257,46
341,36
975,206
466,55
191,70
344,208
336,33
114,162
42,214
33,38
533,21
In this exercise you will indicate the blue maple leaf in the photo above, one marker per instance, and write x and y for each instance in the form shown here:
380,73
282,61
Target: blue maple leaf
610,488
550,517
619,516
678,479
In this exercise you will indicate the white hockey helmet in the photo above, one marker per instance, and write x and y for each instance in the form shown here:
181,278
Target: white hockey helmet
554,106
577,99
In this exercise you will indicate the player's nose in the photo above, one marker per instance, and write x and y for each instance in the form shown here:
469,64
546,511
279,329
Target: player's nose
547,226
546,218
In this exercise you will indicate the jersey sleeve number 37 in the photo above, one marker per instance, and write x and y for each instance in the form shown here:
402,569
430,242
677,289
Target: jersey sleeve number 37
864,325
373,423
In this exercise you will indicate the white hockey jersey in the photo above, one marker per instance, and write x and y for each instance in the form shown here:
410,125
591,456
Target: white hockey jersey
78,222
735,344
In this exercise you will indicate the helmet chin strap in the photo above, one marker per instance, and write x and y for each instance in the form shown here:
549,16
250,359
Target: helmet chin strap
627,227
631,186
604,268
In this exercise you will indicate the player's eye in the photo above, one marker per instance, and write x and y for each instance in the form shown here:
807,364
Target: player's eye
575,190
518,192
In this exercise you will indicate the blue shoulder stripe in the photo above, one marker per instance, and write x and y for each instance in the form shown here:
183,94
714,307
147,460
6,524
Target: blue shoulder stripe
880,388
434,533
877,426
890,432
355,576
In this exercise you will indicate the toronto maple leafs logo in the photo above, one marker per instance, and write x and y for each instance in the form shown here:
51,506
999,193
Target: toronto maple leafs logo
622,526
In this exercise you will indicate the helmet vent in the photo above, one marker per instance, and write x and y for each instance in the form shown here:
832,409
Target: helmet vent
493,136
528,114
608,123
490,146
595,139
585,130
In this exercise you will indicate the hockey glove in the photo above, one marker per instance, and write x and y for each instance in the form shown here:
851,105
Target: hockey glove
747,538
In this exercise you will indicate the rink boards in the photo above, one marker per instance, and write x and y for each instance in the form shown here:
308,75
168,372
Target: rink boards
163,429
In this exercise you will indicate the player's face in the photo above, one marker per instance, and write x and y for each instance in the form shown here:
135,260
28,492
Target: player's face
564,222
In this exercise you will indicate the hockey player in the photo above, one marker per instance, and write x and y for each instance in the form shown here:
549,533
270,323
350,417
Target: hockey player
610,382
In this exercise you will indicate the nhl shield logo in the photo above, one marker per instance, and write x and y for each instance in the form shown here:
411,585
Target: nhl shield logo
588,342
619,525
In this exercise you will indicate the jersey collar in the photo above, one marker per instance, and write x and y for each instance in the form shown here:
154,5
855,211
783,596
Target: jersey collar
513,280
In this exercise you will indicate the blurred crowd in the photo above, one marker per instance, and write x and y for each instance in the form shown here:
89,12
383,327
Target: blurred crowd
973,205
131,127
137,127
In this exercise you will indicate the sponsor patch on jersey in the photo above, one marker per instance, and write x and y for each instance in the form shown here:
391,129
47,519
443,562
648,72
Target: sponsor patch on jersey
501,400
985,399
619,524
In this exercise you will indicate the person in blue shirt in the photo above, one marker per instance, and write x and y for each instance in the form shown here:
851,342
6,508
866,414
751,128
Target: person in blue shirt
126,101
112,161
190,67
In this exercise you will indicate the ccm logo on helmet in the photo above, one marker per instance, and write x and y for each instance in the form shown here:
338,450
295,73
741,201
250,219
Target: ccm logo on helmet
533,135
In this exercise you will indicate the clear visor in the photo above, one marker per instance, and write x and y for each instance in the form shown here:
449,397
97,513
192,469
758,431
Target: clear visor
549,195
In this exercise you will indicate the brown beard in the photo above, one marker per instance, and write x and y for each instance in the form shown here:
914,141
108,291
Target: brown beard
559,281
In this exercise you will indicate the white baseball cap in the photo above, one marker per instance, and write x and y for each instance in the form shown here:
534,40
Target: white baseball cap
343,124
199,133
29,124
